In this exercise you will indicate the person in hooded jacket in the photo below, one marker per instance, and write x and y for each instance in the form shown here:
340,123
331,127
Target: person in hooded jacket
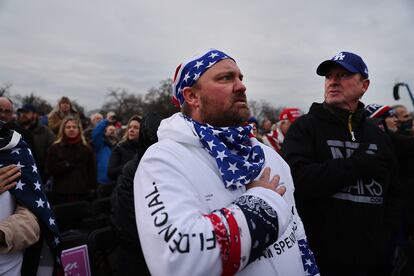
123,218
346,175
126,148
71,163
207,195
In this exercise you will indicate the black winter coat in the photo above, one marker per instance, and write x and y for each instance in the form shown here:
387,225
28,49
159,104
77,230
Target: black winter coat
73,168
42,138
123,194
347,189
123,218
120,155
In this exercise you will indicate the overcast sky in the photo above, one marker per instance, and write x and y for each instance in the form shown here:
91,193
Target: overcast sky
82,48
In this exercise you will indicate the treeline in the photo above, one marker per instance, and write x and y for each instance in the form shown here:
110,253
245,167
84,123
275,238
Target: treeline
125,103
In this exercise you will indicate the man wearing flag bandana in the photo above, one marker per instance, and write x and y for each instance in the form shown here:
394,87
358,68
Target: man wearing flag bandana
209,198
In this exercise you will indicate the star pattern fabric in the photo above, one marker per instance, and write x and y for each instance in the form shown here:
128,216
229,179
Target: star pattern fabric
28,191
308,260
238,161
188,73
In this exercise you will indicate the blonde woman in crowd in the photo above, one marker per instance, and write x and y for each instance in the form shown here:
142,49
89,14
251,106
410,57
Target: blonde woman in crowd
71,163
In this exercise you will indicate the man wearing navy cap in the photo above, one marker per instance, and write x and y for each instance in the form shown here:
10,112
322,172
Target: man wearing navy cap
41,136
344,170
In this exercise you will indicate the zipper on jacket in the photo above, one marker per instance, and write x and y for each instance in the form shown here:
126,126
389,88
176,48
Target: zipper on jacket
350,127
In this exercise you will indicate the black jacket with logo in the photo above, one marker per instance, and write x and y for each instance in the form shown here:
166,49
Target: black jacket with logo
347,190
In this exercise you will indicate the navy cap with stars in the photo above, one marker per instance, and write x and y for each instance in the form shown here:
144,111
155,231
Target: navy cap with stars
349,61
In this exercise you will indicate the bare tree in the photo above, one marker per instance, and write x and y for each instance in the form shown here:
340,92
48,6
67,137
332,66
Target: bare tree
264,110
5,89
159,99
42,105
123,103
78,107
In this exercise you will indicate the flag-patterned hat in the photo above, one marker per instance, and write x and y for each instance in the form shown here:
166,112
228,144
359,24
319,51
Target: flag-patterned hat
187,73
379,111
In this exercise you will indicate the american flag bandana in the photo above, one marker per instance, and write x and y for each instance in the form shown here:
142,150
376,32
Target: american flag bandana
188,73
29,191
239,162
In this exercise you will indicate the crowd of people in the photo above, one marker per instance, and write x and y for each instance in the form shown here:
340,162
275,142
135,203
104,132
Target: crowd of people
210,191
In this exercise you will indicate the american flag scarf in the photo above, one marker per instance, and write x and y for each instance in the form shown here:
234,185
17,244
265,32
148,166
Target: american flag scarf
238,161
28,191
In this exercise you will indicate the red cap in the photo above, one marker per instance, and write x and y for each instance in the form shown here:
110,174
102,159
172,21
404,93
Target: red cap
290,114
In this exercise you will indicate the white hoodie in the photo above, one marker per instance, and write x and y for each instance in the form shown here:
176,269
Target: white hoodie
178,182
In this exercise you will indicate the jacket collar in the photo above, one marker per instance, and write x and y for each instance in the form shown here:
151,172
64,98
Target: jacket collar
328,112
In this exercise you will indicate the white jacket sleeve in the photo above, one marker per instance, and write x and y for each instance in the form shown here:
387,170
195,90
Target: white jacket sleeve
179,236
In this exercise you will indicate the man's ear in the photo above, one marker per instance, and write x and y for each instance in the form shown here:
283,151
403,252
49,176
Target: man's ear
191,96
365,85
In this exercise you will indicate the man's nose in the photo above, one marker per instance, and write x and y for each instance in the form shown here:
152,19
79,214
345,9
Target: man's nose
333,80
240,87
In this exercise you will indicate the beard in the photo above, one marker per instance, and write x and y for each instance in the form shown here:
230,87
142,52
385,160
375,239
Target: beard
26,122
235,115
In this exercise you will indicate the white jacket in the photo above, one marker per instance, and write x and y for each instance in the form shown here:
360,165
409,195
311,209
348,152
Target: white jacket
178,182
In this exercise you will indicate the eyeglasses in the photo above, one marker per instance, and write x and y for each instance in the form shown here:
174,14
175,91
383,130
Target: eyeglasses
6,111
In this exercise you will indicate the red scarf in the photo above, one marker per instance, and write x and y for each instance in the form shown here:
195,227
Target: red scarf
74,140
